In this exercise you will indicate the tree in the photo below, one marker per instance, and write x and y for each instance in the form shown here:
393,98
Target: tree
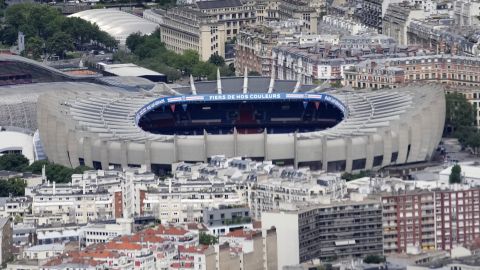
459,112
36,166
133,40
207,239
472,140
44,22
217,60
374,259
13,187
34,47
253,73
187,61
204,69
59,44
455,175
13,162
55,172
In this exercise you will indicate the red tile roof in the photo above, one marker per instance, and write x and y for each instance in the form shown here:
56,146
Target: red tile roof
171,230
122,246
193,249
241,234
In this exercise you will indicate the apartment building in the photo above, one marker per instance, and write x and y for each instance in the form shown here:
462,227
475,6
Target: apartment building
15,206
390,72
184,201
233,14
345,229
64,203
409,221
465,12
328,62
430,220
397,19
203,27
441,35
339,24
373,11
254,44
91,196
291,186
183,28
280,10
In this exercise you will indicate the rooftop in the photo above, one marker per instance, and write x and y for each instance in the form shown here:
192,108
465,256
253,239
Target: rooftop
128,70
218,4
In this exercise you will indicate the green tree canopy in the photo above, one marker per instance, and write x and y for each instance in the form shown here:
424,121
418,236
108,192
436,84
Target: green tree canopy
59,44
150,52
374,259
13,162
204,69
352,176
12,186
460,113
455,175
34,47
134,40
44,22
217,60
207,239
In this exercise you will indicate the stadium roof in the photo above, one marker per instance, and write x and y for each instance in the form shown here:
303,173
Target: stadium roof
18,103
117,23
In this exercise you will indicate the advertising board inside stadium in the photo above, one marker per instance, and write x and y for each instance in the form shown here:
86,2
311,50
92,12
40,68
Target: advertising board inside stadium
241,97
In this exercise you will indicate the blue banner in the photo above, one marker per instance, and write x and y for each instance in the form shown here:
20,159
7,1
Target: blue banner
239,97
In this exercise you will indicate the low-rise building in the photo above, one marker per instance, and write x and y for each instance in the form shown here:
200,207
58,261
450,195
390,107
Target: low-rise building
15,207
43,252
225,219
102,233
23,234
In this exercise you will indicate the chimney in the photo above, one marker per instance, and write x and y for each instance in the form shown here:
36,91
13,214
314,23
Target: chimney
44,176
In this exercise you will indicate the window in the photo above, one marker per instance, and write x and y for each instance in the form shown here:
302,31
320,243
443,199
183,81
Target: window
394,157
377,161
359,164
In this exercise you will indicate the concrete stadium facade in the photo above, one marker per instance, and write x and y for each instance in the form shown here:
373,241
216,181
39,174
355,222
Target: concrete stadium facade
379,128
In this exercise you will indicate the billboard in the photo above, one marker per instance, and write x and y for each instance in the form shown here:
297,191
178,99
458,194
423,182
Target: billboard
165,101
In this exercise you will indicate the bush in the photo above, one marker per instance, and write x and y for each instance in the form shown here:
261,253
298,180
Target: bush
455,175
13,162
350,176
374,259
207,239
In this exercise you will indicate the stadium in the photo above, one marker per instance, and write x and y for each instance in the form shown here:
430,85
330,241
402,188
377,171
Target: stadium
256,117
